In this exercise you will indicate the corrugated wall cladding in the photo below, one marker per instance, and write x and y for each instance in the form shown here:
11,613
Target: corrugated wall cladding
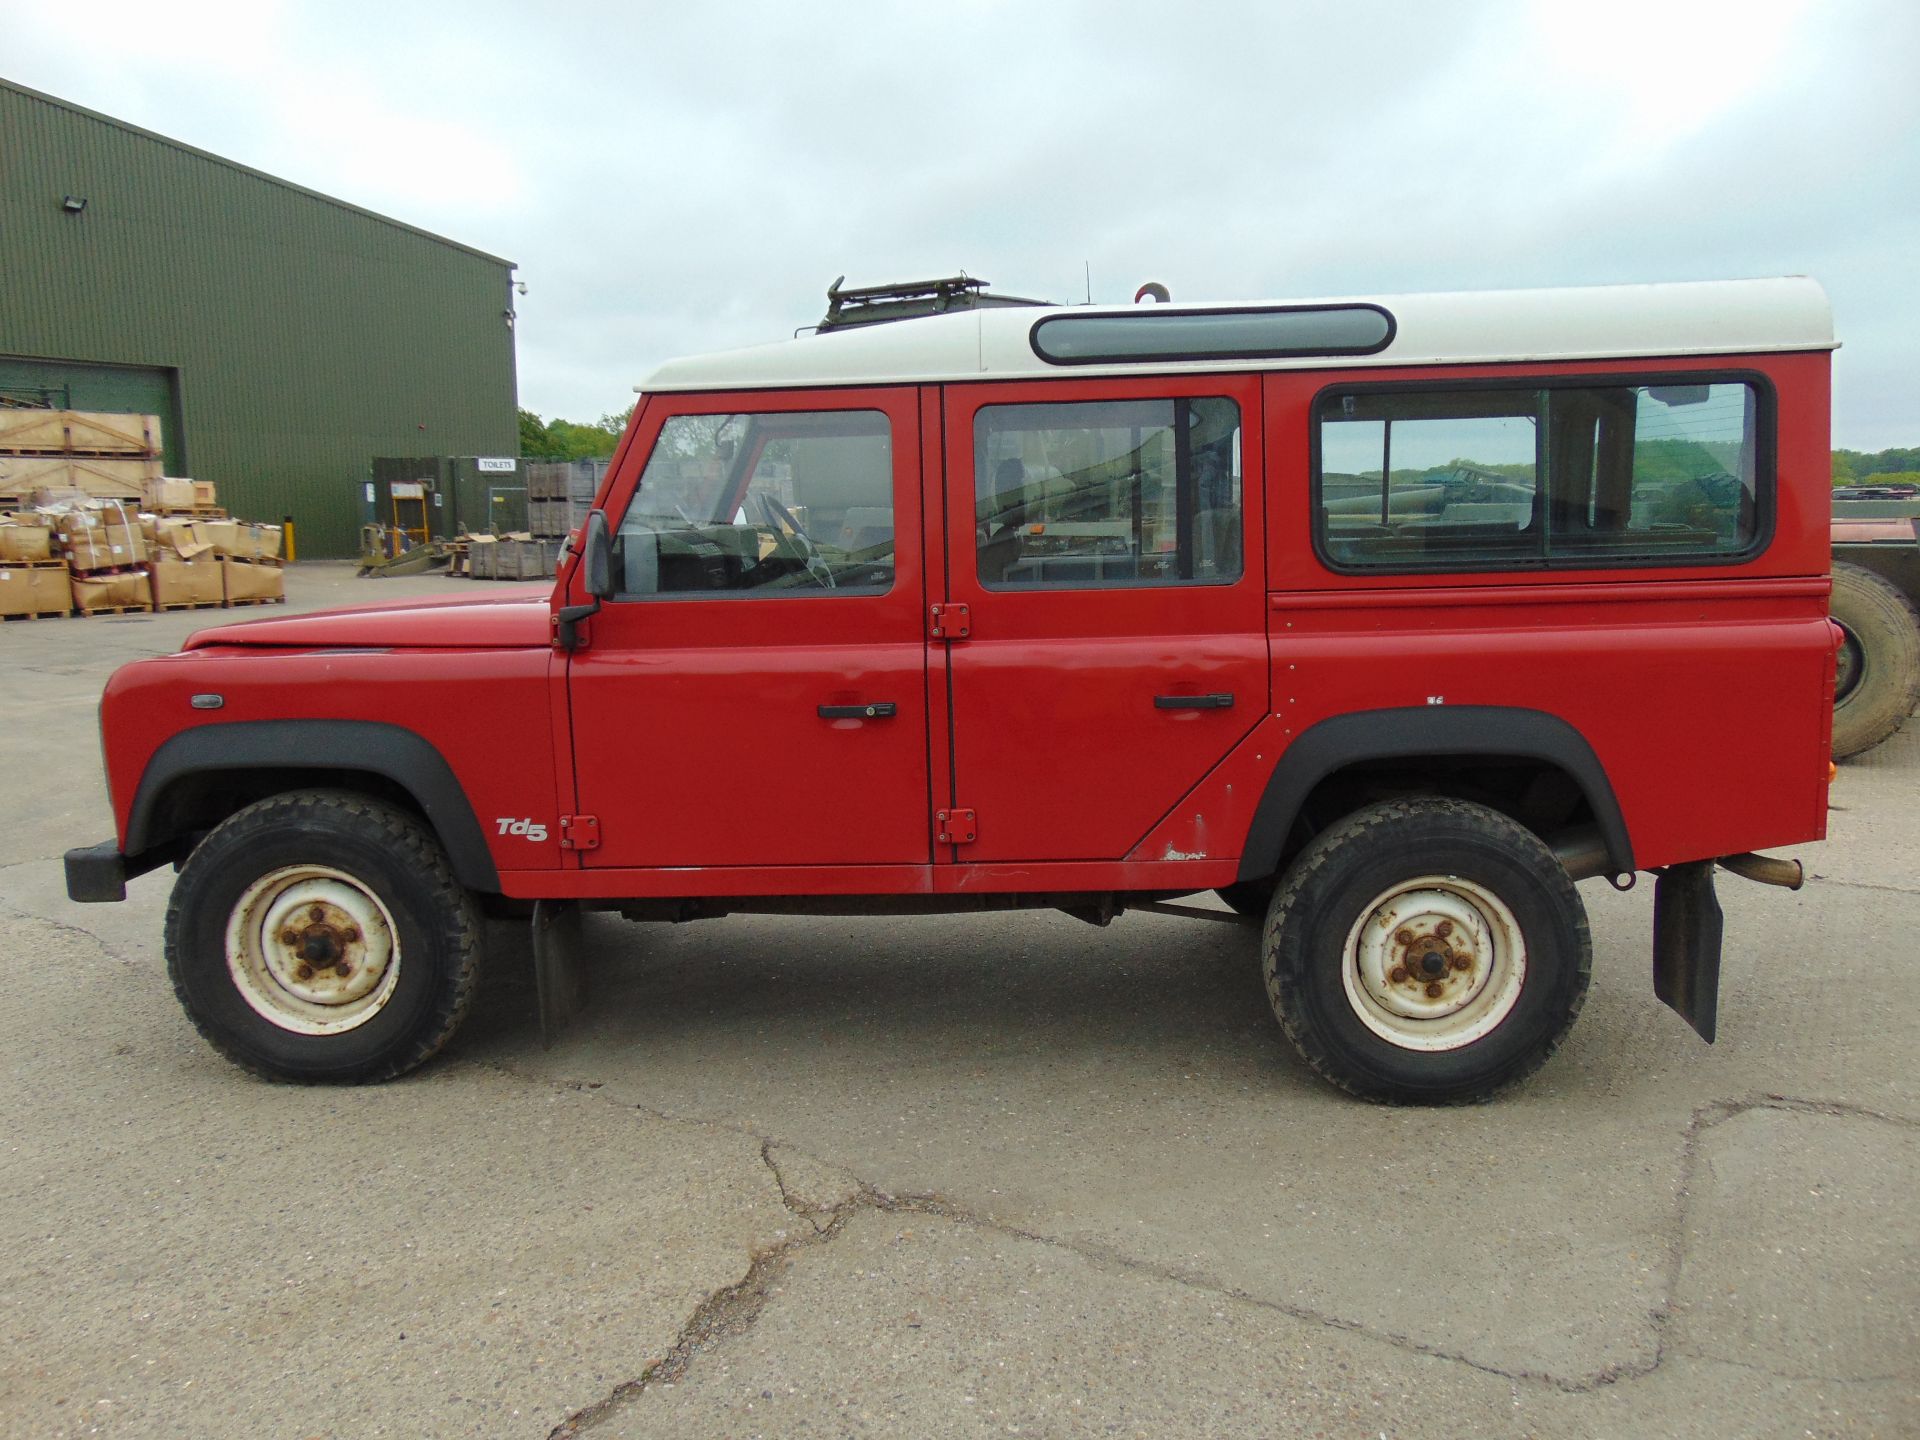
305,336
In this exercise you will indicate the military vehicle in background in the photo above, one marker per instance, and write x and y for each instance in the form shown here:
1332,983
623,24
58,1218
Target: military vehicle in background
1876,602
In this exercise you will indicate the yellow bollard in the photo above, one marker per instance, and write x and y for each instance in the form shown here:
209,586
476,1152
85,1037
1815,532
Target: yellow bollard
286,539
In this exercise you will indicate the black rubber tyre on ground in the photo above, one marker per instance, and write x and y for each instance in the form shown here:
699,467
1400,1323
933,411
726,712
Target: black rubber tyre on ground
321,936
1426,952
1879,680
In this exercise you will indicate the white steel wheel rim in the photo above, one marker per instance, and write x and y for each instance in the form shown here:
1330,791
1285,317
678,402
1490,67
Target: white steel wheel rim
312,950
1434,963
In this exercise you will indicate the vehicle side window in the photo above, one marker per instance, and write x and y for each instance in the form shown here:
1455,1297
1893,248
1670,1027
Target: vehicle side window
1108,493
778,503
1504,477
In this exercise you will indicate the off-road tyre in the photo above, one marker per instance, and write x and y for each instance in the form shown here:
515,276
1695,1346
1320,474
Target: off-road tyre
432,922
1879,663
1425,848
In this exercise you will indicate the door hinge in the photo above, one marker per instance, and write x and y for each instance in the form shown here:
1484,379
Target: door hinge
949,622
579,832
953,827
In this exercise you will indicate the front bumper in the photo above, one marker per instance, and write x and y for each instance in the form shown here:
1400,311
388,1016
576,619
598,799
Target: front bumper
97,873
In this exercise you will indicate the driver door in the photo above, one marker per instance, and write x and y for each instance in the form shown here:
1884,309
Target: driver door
754,694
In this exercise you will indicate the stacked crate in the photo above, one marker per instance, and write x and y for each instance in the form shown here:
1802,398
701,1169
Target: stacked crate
201,561
104,456
33,584
559,494
105,547
516,556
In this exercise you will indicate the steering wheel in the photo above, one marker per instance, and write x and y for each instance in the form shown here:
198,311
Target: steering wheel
782,518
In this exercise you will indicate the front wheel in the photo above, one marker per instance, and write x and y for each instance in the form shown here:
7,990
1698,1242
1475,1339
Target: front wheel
322,936
1426,951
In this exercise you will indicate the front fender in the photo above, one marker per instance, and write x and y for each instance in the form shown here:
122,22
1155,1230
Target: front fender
390,751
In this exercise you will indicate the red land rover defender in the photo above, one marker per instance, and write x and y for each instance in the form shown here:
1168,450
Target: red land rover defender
1385,620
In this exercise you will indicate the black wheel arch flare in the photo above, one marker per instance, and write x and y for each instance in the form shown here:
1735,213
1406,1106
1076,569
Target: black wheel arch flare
391,751
1494,731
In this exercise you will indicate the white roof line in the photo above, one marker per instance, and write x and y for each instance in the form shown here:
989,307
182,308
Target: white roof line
1610,322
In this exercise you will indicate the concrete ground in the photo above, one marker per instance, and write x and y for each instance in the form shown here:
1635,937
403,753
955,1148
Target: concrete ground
976,1176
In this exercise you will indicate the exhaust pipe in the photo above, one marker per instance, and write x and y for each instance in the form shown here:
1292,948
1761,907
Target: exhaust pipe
1766,869
1582,853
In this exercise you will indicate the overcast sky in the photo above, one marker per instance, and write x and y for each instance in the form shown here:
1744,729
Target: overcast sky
680,178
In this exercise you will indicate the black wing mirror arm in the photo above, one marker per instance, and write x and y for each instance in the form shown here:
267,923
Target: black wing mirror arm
596,560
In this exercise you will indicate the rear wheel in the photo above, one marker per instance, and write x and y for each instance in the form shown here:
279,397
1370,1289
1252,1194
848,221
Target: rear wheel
322,936
1879,664
1426,951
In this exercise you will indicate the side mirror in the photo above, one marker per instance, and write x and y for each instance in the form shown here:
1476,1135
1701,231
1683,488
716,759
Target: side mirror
597,556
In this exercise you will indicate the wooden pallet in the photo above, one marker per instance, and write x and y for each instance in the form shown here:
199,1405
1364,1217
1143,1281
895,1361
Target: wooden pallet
143,608
39,615
190,512
255,600
198,605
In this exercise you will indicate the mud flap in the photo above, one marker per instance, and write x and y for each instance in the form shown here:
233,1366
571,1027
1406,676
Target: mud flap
1687,926
559,969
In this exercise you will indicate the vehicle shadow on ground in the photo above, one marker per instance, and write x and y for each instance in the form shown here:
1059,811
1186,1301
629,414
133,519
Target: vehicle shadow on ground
926,986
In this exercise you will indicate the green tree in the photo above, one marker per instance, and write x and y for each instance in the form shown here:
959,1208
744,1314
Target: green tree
1857,467
558,439
533,435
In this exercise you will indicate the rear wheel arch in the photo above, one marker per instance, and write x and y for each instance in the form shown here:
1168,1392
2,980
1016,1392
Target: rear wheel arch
201,776
1454,739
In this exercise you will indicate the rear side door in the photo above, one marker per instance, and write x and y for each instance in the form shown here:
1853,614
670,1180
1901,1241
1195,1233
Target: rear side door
755,693
1106,538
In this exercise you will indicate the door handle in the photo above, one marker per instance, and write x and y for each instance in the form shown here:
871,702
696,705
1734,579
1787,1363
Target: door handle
1193,702
878,710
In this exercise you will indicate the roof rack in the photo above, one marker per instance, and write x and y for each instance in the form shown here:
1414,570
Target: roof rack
878,304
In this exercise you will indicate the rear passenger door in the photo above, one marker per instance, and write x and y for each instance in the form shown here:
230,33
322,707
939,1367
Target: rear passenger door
1106,538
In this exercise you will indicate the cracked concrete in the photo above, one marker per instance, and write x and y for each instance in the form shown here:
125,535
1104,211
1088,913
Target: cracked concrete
999,1175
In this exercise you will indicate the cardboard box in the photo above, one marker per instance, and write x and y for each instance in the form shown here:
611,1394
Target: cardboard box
222,535
186,538
25,538
89,544
167,493
253,542
176,581
35,590
114,590
248,581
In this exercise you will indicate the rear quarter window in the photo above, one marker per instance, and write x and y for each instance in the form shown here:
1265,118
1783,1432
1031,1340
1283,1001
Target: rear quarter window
1517,476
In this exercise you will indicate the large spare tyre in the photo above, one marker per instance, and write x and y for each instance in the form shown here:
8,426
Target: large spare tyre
1879,678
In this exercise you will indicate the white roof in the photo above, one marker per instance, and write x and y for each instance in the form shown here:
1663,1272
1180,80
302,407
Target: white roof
1604,322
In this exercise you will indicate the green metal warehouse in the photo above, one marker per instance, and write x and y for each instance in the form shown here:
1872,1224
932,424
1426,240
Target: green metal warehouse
283,337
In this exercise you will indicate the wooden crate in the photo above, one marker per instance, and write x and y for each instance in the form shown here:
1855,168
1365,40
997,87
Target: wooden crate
512,557
101,477
78,432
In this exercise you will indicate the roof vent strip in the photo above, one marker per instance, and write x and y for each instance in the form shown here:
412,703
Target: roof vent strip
1268,332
